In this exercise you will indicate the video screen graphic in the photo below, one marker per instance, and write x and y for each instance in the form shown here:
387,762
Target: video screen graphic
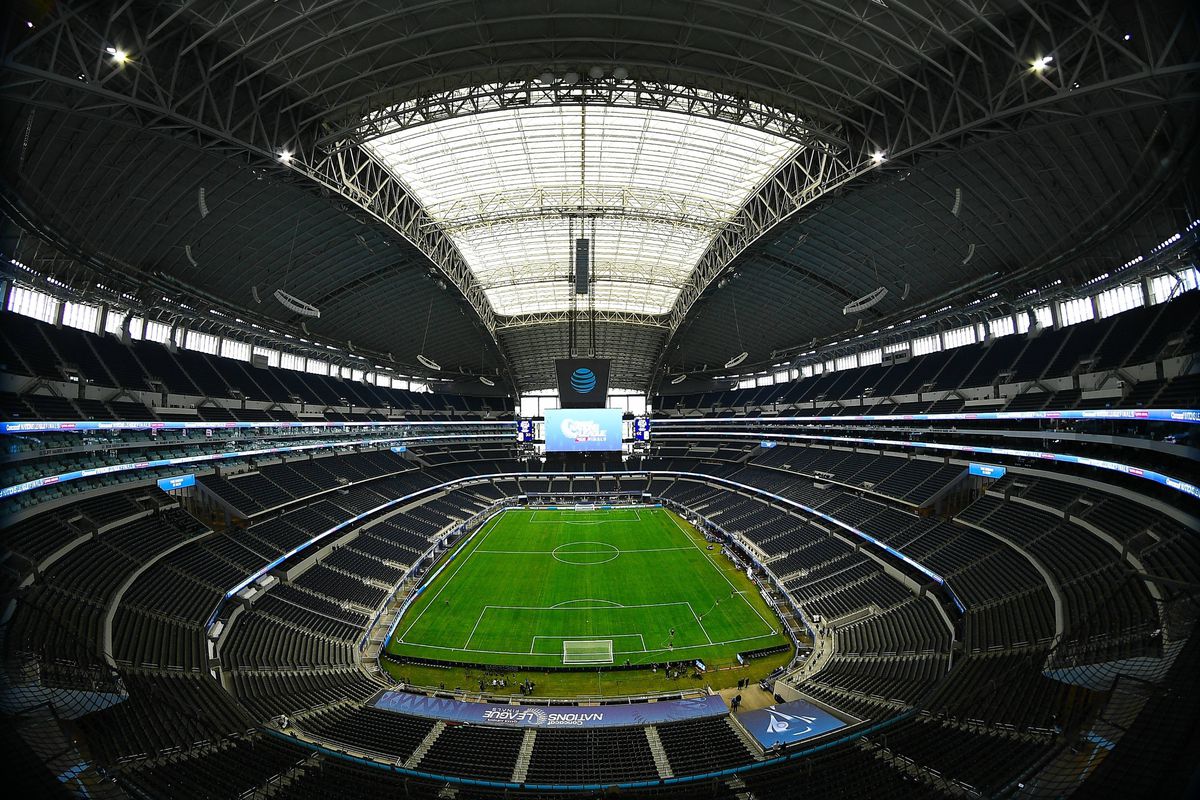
524,430
641,429
575,430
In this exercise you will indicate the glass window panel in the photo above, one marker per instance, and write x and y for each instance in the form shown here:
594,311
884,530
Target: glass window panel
659,186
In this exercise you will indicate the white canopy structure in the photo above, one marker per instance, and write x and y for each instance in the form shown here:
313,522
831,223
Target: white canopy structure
512,189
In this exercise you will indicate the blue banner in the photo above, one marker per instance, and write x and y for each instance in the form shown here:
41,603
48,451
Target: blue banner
583,429
177,482
522,716
788,723
987,470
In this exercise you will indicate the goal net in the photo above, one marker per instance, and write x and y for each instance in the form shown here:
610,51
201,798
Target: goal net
587,651
585,506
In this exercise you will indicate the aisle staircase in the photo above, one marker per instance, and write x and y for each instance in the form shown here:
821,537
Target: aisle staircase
659,752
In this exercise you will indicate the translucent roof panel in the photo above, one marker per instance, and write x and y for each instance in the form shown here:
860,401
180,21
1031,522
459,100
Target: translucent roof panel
513,188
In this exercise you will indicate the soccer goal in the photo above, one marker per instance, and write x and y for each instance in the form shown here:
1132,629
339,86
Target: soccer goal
585,506
587,651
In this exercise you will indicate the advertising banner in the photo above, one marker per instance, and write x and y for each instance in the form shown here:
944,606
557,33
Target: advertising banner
788,723
523,716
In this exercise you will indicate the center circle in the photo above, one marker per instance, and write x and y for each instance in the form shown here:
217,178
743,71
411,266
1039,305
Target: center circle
585,553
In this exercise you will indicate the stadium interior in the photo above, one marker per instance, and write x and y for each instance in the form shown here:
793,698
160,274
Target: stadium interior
738,399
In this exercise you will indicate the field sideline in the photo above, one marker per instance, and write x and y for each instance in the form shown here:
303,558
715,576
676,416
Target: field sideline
640,579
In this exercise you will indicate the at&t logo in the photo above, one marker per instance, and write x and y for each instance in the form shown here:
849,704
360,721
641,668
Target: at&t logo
583,380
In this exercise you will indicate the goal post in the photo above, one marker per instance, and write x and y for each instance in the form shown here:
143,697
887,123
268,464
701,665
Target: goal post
587,651
585,507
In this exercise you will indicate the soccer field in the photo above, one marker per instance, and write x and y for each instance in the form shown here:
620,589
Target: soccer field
553,588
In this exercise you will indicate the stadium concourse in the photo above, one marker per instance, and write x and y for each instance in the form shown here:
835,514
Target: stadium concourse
712,399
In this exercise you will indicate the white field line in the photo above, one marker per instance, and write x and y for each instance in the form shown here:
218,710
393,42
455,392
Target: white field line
449,579
615,652
588,638
611,603
701,624
477,621
533,518
571,552
720,572
558,607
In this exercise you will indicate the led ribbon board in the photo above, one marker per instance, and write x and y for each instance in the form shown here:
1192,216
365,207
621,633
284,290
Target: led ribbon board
1137,472
91,472
73,426
1188,415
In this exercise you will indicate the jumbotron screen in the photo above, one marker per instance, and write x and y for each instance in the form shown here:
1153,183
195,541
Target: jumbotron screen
583,429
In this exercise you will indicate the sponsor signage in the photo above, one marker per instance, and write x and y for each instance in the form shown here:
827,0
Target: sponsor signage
583,429
987,470
177,482
523,716
582,382
641,429
524,430
788,723
767,443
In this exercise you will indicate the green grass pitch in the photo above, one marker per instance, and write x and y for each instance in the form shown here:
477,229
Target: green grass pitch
529,580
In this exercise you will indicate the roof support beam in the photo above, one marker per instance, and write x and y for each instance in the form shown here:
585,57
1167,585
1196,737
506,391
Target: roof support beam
174,86
554,317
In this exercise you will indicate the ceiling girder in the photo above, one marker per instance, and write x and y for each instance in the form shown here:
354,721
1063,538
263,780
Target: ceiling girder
175,87
586,91
555,317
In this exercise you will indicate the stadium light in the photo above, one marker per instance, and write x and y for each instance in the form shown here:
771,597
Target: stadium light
119,56
285,156
1040,63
